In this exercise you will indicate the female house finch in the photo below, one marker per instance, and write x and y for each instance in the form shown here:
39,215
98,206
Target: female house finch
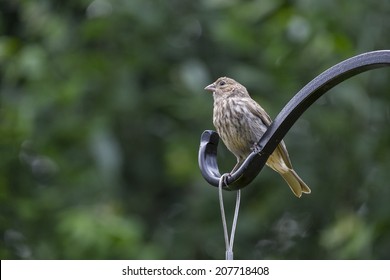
240,122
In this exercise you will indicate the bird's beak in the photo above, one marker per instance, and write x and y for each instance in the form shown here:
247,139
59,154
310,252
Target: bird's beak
210,87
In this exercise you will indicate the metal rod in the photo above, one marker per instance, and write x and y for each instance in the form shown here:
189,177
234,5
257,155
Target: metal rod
284,120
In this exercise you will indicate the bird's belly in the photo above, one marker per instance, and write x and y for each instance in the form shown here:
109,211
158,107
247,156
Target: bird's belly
239,133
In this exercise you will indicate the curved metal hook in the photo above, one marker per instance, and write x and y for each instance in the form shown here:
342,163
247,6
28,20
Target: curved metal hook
284,120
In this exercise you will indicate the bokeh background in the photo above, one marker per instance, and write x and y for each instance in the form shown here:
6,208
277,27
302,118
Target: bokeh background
102,108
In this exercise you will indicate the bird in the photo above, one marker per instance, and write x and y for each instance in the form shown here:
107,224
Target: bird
240,122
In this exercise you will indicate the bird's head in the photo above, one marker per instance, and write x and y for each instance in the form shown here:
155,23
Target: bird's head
226,87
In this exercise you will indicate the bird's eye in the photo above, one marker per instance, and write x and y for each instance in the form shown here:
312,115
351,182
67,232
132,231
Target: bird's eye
222,83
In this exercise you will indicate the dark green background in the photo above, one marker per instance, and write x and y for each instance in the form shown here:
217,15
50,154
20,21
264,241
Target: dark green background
102,107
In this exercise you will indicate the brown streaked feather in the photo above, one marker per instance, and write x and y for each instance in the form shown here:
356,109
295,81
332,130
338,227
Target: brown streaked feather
258,111
284,153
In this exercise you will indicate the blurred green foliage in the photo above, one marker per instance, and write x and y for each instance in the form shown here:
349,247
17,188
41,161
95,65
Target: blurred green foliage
102,106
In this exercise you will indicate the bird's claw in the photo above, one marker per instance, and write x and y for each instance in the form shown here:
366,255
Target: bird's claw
255,148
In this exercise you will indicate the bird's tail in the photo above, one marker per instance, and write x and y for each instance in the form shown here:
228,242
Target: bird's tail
295,183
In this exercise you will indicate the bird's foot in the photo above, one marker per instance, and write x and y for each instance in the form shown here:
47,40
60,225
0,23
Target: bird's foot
255,148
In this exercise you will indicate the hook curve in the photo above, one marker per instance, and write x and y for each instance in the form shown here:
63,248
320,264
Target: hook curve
254,163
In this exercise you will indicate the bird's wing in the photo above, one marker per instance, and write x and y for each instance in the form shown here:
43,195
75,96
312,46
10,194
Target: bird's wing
258,111
281,148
